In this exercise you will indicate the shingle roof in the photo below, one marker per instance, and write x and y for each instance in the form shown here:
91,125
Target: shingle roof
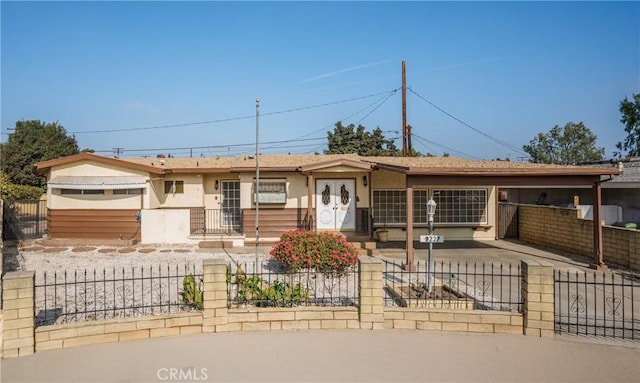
296,162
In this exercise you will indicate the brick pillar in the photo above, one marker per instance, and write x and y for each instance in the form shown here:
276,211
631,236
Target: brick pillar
215,295
371,293
18,330
538,298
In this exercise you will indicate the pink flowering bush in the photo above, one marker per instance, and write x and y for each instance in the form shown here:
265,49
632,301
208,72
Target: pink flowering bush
325,252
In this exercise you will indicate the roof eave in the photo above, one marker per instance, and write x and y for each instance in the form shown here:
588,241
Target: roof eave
42,167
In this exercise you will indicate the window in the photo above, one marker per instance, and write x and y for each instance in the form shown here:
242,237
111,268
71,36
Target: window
389,207
81,192
137,191
461,206
271,191
455,206
173,187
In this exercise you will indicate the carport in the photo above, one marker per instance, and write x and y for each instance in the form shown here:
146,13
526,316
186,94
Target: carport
503,177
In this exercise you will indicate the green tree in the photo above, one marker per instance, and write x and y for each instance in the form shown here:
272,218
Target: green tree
31,142
631,119
571,144
352,139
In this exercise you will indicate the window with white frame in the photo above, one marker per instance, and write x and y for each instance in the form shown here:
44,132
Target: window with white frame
454,206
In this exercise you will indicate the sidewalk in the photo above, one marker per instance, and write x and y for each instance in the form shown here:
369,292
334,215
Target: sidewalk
333,356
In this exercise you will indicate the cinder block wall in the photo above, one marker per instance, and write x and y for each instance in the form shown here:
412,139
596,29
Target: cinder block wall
21,337
563,229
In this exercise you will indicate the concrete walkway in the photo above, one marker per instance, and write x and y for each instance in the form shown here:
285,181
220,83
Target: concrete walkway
333,356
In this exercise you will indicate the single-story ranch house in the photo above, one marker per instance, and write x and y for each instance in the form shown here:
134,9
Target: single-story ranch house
178,200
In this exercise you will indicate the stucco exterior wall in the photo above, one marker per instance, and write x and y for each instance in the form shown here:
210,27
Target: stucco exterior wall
193,195
88,168
165,226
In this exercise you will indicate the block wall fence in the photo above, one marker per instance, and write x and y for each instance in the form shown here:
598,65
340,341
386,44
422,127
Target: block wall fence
21,337
564,229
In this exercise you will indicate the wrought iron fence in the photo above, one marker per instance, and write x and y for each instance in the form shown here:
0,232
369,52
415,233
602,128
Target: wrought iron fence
454,285
269,284
63,297
24,219
597,304
216,221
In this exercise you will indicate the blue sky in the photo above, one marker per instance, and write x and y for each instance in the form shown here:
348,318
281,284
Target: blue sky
104,70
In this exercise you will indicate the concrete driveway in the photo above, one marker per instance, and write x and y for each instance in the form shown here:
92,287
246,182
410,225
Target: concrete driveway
333,356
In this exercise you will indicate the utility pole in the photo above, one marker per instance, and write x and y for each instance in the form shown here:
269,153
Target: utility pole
257,179
404,108
409,147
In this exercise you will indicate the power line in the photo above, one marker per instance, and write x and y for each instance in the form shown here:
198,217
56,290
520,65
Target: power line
503,143
229,119
353,114
377,106
422,140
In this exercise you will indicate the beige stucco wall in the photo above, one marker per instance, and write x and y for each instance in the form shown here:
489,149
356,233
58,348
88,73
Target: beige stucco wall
88,168
165,226
193,195
56,200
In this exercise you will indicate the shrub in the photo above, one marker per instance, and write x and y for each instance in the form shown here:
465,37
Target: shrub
18,192
325,252
192,294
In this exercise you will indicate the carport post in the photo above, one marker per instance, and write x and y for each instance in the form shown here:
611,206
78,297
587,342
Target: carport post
598,261
409,264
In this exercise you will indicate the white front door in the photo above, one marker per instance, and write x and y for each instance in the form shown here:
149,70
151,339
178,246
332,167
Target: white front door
335,204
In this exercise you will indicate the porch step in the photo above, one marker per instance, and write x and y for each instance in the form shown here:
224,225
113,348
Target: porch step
370,252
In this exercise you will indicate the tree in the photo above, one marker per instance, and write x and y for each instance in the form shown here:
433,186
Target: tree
352,139
31,142
631,119
571,144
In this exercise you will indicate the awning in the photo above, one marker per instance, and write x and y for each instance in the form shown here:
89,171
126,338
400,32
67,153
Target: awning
96,182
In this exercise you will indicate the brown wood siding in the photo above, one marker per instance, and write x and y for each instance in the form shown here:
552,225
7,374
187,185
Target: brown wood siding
273,222
94,224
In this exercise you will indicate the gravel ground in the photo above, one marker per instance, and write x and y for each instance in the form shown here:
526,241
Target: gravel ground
32,256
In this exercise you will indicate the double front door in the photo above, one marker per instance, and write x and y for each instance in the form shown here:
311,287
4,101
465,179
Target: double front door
335,204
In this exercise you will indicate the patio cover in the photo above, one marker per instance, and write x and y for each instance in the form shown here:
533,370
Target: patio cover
97,182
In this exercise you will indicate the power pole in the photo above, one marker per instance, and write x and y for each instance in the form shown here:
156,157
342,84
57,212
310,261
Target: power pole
404,108
409,147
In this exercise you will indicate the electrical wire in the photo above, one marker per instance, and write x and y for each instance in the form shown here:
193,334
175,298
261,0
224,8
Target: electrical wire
231,118
423,140
324,129
497,140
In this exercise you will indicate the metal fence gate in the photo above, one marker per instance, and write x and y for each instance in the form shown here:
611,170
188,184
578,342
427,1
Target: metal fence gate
23,219
597,304
507,220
